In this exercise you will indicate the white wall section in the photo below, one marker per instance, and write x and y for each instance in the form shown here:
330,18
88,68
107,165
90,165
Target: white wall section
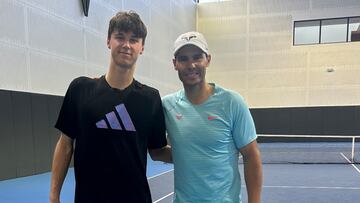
251,43
45,44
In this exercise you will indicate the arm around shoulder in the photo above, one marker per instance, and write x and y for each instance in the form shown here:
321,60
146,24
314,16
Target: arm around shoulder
60,164
252,171
161,154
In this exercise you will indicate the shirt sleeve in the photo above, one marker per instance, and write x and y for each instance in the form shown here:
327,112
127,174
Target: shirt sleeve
243,127
157,139
67,119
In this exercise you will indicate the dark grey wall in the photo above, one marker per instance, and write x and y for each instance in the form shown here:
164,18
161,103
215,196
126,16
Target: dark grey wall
329,120
27,135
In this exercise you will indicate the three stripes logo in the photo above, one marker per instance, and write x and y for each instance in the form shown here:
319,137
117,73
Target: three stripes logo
114,122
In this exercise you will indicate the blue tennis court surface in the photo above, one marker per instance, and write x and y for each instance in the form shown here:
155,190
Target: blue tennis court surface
283,183
35,189
311,183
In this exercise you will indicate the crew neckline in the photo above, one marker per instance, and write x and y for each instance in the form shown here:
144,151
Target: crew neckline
215,90
117,89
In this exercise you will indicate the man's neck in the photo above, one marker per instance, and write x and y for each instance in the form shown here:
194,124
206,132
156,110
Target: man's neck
119,78
198,94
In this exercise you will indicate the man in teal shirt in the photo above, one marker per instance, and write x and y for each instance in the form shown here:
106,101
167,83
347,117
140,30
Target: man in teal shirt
208,126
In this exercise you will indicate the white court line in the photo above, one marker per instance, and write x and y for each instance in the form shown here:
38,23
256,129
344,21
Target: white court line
353,165
308,187
160,174
163,197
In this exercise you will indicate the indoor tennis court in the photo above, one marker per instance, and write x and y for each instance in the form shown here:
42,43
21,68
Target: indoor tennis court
295,63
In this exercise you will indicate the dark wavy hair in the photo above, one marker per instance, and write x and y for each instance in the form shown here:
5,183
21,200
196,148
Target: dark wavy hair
126,22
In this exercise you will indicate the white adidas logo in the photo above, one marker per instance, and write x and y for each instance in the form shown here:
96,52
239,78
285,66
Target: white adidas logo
113,121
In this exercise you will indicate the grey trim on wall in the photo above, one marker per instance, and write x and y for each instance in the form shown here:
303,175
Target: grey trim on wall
7,140
324,120
27,135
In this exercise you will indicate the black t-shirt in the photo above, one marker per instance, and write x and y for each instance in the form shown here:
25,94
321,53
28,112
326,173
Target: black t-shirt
112,129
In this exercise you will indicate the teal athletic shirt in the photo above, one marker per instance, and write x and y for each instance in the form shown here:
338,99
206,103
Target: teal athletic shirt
205,142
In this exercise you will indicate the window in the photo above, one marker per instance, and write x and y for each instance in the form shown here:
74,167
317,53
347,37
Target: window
307,32
324,31
333,30
354,29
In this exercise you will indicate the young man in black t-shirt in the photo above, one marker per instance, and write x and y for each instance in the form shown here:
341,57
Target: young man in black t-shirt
112,121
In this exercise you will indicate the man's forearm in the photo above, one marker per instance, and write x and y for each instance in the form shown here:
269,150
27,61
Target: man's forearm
163,154
60,164
253,178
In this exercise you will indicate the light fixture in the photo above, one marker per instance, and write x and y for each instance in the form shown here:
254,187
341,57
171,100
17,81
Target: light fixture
86,4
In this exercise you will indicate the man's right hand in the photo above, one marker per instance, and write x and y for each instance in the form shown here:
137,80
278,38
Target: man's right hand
54,199
60,165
